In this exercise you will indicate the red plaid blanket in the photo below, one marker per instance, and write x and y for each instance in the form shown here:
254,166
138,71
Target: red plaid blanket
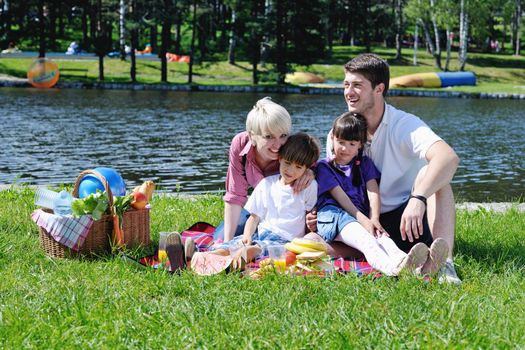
202,234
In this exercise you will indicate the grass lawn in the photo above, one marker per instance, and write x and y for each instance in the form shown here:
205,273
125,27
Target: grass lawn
108,303
501,73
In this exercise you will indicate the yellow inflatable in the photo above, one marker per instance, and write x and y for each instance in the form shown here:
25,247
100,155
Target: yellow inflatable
303,78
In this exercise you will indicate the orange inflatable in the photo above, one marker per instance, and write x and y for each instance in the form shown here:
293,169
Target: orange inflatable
43,73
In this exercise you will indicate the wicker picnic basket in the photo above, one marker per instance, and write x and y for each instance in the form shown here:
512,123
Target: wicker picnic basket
136,228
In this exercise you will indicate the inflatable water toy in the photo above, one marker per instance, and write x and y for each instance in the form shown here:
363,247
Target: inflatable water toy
90,184
434,80
43,73
303,78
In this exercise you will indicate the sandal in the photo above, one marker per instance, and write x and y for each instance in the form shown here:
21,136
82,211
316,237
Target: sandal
175,252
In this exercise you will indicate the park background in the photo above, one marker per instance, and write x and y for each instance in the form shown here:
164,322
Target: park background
48,303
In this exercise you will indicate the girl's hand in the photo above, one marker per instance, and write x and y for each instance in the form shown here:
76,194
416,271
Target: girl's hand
370,226
304,181
379,230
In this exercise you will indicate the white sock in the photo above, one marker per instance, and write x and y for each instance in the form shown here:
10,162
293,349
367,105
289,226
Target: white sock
391,249
355,235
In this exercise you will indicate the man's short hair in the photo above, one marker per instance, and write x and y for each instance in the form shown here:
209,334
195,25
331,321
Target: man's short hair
301,148
372,67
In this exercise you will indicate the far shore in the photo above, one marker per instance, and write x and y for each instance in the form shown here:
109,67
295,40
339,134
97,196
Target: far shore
312,89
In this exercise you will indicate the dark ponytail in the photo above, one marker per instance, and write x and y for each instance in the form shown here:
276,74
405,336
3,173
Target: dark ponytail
356,169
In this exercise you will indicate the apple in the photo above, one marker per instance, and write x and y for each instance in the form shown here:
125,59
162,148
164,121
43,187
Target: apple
139,200
290,258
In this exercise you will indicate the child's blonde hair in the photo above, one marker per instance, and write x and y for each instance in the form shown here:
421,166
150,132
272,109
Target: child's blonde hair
268,116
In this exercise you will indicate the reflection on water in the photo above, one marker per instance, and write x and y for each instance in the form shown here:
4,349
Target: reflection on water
180,139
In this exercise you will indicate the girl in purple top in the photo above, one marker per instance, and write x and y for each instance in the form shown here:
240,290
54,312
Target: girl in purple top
348,201
254,155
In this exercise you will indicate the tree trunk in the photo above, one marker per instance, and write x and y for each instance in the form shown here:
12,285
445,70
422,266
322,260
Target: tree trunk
122,30
177,36
367,32
192,50
153,37
233,41
281,43
517,28
165,42
255,77
416,43
42,25
463,35
449,46
85,33
428,40
399,27
100,42
437,51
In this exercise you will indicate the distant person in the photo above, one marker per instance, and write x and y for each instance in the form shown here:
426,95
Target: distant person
417,203
277,212
73,48
348,204
147,50
11,48
253,155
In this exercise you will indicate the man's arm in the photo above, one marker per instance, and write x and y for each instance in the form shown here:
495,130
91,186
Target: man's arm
442,165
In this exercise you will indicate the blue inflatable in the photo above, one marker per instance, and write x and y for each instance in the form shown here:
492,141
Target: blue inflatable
89,184
434,80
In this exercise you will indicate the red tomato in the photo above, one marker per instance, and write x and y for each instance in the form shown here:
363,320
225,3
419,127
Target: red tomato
290,257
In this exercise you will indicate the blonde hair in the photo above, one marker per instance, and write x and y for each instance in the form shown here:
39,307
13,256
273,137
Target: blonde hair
268,116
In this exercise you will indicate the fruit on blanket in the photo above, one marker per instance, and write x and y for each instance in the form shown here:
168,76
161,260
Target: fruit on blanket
298,249
147,188
310,256
290,258
139,200
308,243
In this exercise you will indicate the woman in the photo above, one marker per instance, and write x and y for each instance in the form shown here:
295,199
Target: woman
254,154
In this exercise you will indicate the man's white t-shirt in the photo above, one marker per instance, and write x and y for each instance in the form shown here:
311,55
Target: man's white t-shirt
280,210
398,150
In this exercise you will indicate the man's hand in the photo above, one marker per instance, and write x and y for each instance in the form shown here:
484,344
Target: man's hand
412,220
311,220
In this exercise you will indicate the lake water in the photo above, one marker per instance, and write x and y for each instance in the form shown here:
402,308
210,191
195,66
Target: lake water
180,139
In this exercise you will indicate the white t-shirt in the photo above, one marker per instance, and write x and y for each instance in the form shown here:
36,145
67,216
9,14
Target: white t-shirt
398,150
280,210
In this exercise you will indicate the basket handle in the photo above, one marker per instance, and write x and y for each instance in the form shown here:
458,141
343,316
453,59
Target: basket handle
98,176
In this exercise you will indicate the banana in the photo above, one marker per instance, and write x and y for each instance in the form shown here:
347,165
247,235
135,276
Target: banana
298,249
308,243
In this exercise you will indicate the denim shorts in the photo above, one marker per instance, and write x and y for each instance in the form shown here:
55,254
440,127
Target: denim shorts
331,220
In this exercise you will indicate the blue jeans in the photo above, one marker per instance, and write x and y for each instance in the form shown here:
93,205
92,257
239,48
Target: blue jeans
219,231
331,220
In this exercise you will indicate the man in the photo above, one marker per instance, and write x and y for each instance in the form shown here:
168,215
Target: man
416,165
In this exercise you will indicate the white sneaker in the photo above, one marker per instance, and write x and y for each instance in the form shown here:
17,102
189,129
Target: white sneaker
414,260
448,274
437,257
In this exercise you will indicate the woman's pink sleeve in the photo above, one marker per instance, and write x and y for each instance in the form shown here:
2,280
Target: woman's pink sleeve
236,183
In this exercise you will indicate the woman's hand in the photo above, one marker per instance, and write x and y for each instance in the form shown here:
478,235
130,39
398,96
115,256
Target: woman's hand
311,220
304,181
